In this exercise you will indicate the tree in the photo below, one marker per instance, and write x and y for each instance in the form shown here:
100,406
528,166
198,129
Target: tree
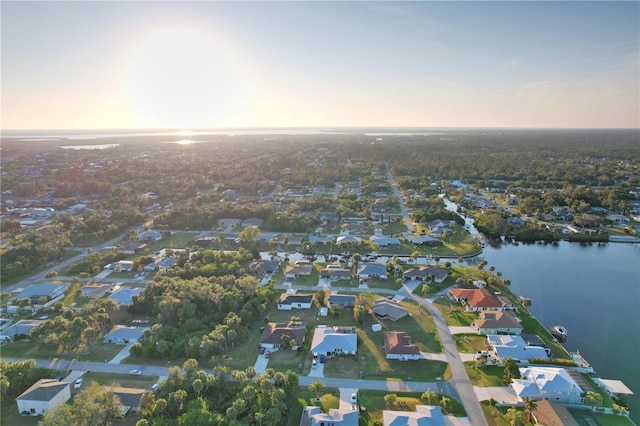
429,396
445,403
359,314
390,398
515,417
317,387
530,405
593,399
197,386
511,370
51,275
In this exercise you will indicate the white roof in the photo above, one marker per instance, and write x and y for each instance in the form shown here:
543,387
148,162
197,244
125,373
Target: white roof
551,379
425,415
614,386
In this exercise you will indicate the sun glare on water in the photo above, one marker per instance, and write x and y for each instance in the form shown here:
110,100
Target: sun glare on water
184,78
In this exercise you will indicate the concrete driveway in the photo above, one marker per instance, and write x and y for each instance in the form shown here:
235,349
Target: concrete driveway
261,364
462,330
502,394
318,371
345,398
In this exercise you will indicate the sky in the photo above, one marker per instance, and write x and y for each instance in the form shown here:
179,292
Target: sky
208,64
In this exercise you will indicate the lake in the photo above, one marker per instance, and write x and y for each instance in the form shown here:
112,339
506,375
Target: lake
592,290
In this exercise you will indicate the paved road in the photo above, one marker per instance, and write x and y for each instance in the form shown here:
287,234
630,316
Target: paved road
403,209
459,378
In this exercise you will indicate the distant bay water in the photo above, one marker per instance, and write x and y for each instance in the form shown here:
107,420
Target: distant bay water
592,290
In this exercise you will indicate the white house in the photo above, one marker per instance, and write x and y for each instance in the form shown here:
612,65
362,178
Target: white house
290,301
42,396
332,341
554,384
514,347
424,415
312,416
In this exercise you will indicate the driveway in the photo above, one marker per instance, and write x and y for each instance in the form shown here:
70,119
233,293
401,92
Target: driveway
261,364
318,371
434,357
462,330
121,355
345,398
502,394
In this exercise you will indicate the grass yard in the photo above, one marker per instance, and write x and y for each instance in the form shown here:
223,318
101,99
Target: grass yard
330,398
28,349
588,417
176,240
489,375
454,313
470,343
406,401
380,283
243,355
10,415
494,416
123,380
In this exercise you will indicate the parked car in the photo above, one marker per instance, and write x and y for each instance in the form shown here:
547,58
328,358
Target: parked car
267,354
261,350
314,364
354,398
321,359
154,387
135,372
77,384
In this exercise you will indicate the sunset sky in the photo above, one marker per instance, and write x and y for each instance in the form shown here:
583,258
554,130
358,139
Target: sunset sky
100,65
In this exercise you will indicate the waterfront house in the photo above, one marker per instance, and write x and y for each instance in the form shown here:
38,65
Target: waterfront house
476,300
426,415
398,345
271,337
554,384
313,416
289,301
330,341
497,322
548,413
42,396
514,347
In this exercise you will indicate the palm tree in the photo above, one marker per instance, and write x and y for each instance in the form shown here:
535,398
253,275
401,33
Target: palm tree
515,417
593,398
430,396
445,403
317,387
390,398
530,405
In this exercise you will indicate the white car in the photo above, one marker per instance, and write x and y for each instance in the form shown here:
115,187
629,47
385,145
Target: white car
77,384
354,398
135,372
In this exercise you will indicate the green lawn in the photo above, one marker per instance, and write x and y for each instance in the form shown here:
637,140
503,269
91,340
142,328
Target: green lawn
10,416
96,353
494,416
454,313
470,343
374,403
330,398
489,375
176,240
123,380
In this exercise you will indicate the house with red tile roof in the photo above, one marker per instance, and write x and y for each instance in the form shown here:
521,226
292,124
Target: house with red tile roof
476,300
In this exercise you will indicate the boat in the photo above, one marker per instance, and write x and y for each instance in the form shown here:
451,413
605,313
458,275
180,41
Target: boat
559,332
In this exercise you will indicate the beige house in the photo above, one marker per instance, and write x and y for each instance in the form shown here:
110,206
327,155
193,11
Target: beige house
42,396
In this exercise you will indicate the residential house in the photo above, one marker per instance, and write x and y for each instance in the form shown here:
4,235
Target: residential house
552,383
476,300
514,347
330,341
335,274
252,221
549,413
133,247
369,270
272,334
124,335
124,296
299,268
42,396
289,301
121,265
20,328
385,242
425,415
348,240
397,345
426,273
497,322
97,291
342,300
129,398
423,240
49,291
313,416
320,240
150,236
389,309
614,388
229,222
160,264
264,267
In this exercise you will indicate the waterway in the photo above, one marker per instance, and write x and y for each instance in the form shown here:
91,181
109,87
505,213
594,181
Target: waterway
592,290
